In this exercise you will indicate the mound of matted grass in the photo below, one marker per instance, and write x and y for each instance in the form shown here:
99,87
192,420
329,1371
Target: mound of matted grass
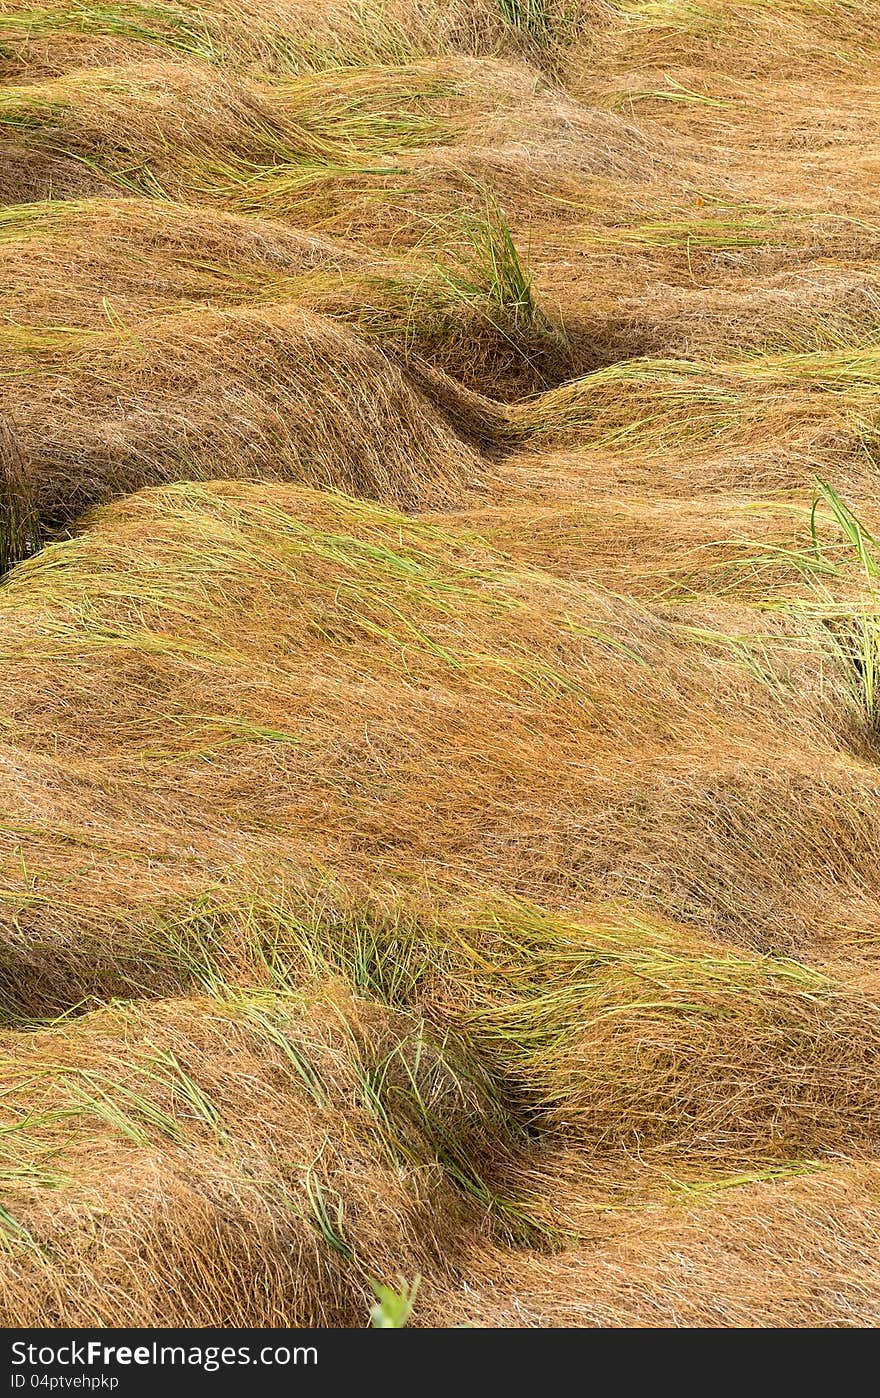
294,35
274,393
307,677
189,127
469,304
824,401
379,1089
131,257
253,1158
154,128
800,1251
752,41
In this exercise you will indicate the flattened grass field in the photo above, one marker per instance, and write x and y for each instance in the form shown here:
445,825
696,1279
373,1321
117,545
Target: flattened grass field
440,663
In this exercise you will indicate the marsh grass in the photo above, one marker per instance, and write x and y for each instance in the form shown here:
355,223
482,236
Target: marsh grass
531,16
432,846
857,633
493,273
491,281
326,1213
833,568
13,1235
19,524
180,29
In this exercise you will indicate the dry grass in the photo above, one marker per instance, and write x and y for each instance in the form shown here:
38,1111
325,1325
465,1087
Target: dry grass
439,663
278,394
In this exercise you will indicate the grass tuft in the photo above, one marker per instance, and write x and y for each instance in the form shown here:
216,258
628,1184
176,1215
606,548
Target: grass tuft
394,1305
19,525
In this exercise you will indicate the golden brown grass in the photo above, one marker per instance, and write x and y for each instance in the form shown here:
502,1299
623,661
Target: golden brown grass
275,393
439,662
